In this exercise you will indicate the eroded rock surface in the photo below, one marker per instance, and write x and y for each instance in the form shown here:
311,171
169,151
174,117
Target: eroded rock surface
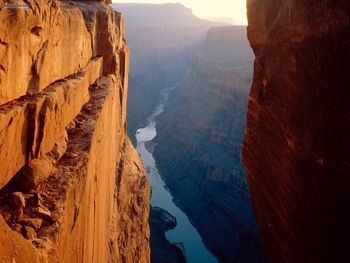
72,187
296,149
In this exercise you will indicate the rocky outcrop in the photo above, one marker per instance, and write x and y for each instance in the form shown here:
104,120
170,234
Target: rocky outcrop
199,141
297,140
72,187
162,250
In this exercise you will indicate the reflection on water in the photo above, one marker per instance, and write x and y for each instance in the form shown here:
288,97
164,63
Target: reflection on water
184,232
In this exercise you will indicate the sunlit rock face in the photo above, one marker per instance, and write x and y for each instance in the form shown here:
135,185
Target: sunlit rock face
297,140
199,142
72,187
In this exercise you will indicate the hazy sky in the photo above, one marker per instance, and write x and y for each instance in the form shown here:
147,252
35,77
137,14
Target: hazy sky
208,8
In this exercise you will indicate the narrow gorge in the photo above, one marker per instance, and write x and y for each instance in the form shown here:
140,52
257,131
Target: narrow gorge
196,152
73,188
199,142
224,144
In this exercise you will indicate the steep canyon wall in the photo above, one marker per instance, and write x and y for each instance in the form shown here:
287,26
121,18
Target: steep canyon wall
73,188
296,149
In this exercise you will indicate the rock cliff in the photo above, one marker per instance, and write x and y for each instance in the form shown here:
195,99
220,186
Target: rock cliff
72,187
296,149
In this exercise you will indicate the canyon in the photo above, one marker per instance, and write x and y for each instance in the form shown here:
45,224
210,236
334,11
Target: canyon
296,149
199,141
267,184
73,188
197,149
182,235
159,37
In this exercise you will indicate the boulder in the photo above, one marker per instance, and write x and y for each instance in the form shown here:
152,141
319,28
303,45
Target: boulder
18,200
29,232
33,174
35,223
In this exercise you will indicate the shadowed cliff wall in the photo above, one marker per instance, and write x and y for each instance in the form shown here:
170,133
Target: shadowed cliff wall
296,149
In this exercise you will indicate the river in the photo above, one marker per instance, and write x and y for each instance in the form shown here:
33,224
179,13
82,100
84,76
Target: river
184,232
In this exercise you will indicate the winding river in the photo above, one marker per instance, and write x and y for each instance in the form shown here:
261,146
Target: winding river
184,233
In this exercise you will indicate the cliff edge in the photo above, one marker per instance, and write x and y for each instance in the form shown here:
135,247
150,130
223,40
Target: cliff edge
296,149
72,187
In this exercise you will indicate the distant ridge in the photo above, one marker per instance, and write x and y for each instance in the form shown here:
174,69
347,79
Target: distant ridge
225,20
150,15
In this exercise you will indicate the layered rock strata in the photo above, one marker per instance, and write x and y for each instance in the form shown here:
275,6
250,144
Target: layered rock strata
297,141
73,189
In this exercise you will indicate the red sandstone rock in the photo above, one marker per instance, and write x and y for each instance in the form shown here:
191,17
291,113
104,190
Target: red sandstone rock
35,45
29,232
297,144
17,228
33,174
18,200
34,223
35,125
132,179
44,212
64,62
